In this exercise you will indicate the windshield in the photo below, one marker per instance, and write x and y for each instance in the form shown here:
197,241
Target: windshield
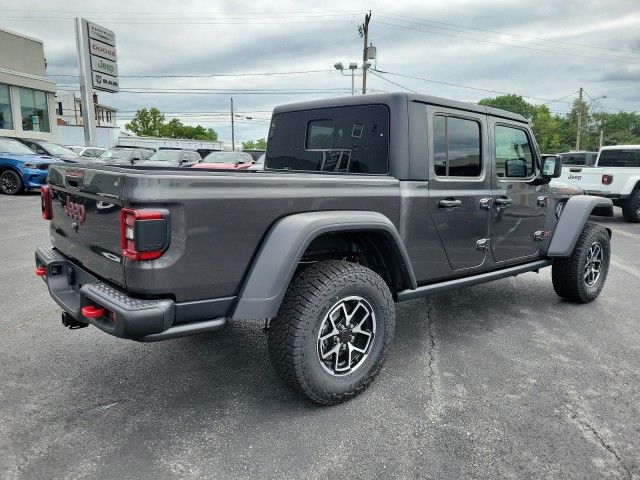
56,149
260,160
117,154
13,146
166,155
228,157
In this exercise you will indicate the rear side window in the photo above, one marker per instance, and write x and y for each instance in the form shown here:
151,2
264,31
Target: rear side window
514,156
343,139
456,147
619,158
574,159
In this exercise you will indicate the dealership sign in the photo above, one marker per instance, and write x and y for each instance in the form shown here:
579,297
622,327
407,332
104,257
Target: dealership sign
103,65
103,58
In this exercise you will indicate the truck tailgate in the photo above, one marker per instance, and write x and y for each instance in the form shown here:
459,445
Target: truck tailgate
586,178
85,224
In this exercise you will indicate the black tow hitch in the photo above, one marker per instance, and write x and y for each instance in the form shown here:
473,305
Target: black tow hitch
71,323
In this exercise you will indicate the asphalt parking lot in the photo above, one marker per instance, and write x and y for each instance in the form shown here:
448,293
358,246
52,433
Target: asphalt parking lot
499,380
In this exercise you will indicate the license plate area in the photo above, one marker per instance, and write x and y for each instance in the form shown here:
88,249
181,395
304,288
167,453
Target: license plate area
65,280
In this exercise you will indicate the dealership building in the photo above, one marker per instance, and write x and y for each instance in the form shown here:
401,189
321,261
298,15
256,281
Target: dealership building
27,98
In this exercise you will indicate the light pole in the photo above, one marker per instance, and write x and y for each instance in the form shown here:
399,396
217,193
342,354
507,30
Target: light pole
352,67
233,128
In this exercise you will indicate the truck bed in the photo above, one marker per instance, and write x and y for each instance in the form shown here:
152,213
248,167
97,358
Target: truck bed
217,220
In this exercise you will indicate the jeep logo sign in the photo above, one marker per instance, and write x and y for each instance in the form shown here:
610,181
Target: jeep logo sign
75,210
103,65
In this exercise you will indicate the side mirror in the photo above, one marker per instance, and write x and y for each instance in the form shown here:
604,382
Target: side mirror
551,166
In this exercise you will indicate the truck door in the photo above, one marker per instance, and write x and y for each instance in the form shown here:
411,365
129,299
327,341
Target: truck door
459,188
518,206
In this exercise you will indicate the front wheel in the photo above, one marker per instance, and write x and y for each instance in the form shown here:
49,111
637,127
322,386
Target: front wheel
581,276
10,183
333,331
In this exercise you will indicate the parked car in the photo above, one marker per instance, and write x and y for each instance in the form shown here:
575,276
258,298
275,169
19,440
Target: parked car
21,168
87,151
125,154
616,175
259,165
226,160
254,152
341,227
44,147
579,158
172,157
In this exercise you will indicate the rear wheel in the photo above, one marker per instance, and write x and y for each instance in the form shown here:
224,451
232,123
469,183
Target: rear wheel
581,276
631,207
333,331
10,183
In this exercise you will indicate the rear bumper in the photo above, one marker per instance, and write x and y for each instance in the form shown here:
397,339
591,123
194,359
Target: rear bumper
74,288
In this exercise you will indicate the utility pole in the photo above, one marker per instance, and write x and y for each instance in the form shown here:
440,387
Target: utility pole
364,33
601,136
579,120
233,133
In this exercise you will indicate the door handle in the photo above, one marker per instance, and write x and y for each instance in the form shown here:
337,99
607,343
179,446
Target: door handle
449,203
503,202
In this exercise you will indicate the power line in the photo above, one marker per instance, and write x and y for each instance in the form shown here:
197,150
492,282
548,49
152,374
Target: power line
458,85
502,34
374,72
205,75
475,38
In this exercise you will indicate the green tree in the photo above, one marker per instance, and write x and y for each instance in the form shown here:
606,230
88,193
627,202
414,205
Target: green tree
150,123
146,123
260,144
511,103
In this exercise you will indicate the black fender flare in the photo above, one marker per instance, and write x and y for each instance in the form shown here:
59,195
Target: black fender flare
277,259
572,220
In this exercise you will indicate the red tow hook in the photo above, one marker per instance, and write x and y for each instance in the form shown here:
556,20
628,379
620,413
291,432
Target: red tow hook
91,311
41,271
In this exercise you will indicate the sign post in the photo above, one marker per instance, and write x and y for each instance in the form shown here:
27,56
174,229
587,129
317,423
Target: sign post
98,68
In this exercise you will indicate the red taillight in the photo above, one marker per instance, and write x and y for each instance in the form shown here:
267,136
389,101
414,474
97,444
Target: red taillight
41,271
45,202
91,311
130,220
607,179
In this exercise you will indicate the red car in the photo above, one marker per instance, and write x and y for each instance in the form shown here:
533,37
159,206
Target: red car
226,161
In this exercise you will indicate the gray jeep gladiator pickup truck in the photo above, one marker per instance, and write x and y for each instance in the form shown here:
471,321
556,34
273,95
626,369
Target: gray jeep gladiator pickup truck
363,202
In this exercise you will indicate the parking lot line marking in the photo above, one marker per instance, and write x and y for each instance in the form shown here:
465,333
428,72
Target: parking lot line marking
624,267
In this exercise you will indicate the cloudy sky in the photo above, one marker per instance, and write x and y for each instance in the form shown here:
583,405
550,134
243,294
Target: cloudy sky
462,49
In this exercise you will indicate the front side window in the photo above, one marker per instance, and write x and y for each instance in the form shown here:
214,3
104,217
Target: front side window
456,147
34,110
619,158
353,139
514,156
6,119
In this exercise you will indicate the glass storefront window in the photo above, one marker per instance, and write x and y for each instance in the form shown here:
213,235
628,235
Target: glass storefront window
34,109
6,120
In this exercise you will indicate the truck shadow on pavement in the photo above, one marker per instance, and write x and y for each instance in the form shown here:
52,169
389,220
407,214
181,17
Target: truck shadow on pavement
231,366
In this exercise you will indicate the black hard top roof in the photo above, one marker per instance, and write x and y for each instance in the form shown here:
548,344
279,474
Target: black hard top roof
392,98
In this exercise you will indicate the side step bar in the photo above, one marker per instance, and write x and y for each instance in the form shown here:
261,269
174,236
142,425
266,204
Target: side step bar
472,280
182,330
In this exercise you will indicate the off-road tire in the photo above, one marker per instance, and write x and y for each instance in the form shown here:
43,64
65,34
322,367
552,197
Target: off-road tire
631,207
568,273
11,182
293,335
